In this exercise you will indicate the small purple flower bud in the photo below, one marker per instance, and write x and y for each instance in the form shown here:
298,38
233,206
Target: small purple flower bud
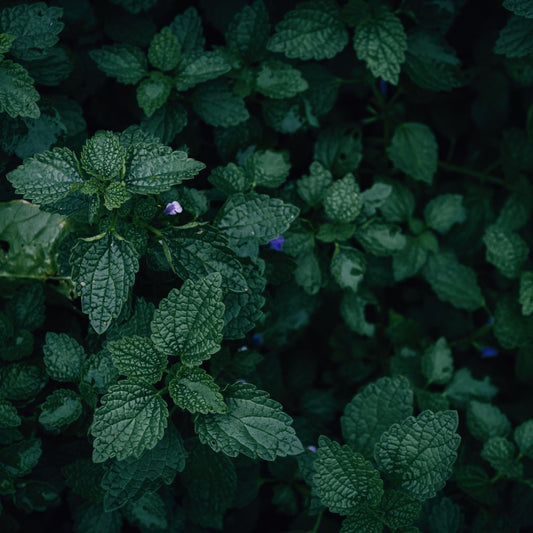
382,85
489,351
490,321
277,243
240,380
312,448
173,208
257,340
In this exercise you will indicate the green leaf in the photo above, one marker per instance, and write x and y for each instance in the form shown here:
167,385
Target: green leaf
103,271
516,38
137,358
414,151
399,205
348,267
21,458
506,250
210,481
523,8
443,211
375,197
58,172
526,292
312,187
437,362
152,168
248,31
18,96
276,79
124,62
329,232
194,390
344,479
103,156
399,510
60,409
166,122
218,105
339,149
380,41
308,274
453,282
523,436
99,372
515,211
90,516
84,478
254,425
153,92
352,310
132,418
511,327
9,417
189,322
268,168
342,201
21,381
198,251
474,481
199,67
187,27
63,357
164,52
230,179
6,40
126,481
444,516
463,386
148,512
311,31
381,238
419,453
408,261
115,195
373,410
500,453
255,216
485,421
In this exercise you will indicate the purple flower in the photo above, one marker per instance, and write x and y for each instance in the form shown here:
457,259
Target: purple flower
257,339
490,321
277,243
243,381
489,351
173,208
382,85
312,448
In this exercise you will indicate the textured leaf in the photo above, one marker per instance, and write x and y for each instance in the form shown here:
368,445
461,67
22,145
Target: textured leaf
485,421
312,188
132,418
57,172
362,519
102,155
84,478
187,27
419,453
255,216
408,261
526,292
9,417
338,149
268,168
500,453
352,310
153,168
380,41
453,282
21,381
124,62
342,201
443,211
381,238
348,267
189,322
115,195
463,386
230,179
218,105
308,274
195,390
153,92
414,150
18,96
63,357
523,8
311,31
437,362
149,512
506,250
399,510
99,372
125,481
523,436
164,51
254,425
511,328
137,358
166,122
104,271
516,38
399,205
344,479
21,458
60,408
276,79
198,67
90,516
373,410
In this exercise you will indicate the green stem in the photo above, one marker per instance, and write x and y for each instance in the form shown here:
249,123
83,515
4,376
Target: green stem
155,231
317,523
162,391
474,173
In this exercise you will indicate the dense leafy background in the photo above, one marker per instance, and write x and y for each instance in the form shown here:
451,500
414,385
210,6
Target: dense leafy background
271,270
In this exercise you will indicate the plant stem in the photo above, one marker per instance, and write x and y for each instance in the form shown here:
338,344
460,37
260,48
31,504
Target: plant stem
317,523
474,173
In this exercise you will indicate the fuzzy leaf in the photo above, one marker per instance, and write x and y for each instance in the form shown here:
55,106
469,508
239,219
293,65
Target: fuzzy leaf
268,168
124,62
506,250
18,96
342,201
63,357
103,155
312,188
164,51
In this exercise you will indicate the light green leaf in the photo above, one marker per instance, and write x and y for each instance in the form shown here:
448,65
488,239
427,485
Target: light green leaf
311,31
230,179
437,362
408,261
124,62
506,250
218,105
60,408
501,454
255,216
276,79
137,358
453,282
152,168
342,200
379,40
254,425
164,52
103,271
63,357
57,172
199,67
348,267
443,211
153,92
373,410
9,417
485,421
268,168
103,156
526,292
523,436
516,38
420,452
195,390
523,8
21,381
344,479
381,238
463,386
312,187
132,418
125,481
187,27
189,322
414,150
18,96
